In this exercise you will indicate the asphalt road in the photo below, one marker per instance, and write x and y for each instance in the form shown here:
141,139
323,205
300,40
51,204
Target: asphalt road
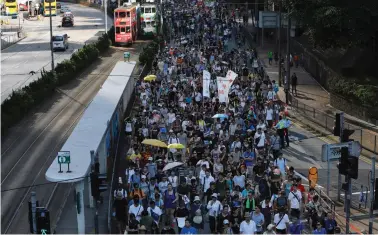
305,152
32,145
33,53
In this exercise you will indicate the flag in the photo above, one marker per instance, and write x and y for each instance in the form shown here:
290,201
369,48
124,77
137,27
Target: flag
206,84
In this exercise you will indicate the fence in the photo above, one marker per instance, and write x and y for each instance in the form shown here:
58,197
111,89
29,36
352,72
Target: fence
368,139
11,38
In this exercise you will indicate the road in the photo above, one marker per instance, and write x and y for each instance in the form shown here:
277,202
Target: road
32,145
33,53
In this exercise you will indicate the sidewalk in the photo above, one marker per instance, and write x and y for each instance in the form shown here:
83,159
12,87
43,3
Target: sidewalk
313,101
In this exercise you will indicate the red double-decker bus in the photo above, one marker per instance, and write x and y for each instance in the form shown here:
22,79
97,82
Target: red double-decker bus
125,24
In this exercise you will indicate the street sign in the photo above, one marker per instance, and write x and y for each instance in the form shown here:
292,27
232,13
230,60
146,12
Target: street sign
331,152
64,157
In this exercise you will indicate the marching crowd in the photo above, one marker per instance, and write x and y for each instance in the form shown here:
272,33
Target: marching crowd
209,99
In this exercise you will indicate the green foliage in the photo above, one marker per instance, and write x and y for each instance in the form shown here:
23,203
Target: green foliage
363,94
148,54
334,23
23,100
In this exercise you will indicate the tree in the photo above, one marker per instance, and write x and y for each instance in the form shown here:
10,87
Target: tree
336,23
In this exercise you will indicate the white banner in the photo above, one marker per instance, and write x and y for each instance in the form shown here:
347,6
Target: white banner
231,76
223,88
206,84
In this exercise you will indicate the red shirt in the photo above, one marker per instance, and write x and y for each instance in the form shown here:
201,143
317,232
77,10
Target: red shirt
300,187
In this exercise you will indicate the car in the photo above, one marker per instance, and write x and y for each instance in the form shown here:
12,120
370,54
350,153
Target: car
64,9
67,20
60,42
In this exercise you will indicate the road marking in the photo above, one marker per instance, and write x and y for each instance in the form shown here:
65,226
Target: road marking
329,141
357,193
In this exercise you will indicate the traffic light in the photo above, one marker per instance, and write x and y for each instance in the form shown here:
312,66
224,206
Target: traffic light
43,221
338,123
346,134
348,165
343,161
98,184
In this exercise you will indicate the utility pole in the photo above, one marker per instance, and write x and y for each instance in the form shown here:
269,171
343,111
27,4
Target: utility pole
348,196
287,87
106,15
279,44
34,211
372,187
51,40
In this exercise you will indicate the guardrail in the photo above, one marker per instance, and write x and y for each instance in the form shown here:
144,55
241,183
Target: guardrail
367,139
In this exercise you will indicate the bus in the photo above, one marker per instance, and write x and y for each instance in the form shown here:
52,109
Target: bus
11,8
46,7
148,19
126,24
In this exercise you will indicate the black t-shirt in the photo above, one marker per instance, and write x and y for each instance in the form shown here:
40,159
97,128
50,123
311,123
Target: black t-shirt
245,72
210,192
154,132
120,206
183,190
181,212
167,231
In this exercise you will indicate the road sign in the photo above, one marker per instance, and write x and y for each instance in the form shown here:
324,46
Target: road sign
64,157
331,152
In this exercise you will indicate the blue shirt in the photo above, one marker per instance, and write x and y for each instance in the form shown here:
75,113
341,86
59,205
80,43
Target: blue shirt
258,219
322,231
296,228
186,230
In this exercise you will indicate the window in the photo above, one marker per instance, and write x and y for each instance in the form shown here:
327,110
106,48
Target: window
153,10
122,14
10,1
153,23
57,38
147,10
128,29
123,30
128,14
142,10
143,24
118,30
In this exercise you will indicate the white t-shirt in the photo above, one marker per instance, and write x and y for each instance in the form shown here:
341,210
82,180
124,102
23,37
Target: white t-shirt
154,212
294,202
248,228
282,223
269,114
173,180
261,142
136,210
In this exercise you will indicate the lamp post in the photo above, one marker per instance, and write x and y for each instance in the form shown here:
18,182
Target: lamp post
51,40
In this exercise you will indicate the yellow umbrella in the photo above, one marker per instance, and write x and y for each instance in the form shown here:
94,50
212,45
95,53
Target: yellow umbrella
149,78
154,142
176,146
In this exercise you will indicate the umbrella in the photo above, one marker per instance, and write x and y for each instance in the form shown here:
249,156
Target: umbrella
220,115
149,78
224,62
172,165
154,142
176,146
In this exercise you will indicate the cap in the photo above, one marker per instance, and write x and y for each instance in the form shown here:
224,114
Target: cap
142,228
226,221
197,198
214,195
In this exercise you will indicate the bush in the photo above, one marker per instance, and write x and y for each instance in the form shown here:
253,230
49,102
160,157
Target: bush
23,100
148,54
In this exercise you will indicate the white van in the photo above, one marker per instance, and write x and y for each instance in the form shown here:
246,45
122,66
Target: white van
60,42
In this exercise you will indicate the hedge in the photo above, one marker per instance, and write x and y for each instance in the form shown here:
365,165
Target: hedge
148,54
351,90
23,100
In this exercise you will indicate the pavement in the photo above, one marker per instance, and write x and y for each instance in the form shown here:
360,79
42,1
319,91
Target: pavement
305,151
33,53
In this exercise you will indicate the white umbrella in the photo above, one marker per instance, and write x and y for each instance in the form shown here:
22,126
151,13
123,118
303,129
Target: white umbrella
172,165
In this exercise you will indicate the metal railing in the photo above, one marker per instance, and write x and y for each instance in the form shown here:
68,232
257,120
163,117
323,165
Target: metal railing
367,138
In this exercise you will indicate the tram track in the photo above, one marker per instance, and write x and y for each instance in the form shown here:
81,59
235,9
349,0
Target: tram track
28,156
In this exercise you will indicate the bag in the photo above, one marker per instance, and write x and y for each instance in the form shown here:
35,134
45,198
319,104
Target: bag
296,197
197,219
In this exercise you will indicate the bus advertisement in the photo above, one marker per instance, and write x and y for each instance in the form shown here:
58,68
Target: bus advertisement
49,9
148,19
125,24
11,8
